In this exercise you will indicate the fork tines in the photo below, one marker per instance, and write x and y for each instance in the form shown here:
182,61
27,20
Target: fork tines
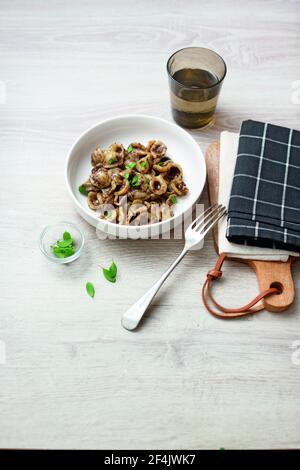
205,221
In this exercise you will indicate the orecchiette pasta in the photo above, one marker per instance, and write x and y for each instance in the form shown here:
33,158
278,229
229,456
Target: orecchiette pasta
135,186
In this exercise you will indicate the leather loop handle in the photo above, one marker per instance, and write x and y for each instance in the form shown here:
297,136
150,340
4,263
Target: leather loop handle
224,312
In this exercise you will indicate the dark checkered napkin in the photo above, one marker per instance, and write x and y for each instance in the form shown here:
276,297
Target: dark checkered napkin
264,205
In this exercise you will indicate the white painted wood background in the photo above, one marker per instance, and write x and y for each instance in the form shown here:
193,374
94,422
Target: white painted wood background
73,378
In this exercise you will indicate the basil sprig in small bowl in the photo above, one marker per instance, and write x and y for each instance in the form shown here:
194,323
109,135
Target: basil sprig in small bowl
61,242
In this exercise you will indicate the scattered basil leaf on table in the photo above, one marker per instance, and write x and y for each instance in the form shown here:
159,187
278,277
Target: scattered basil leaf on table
113,269
110,274
107,275
90,289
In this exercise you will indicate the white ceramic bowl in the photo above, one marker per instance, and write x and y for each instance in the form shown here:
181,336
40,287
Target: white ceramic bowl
136,128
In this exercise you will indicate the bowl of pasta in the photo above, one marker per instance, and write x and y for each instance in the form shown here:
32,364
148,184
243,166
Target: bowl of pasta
135,176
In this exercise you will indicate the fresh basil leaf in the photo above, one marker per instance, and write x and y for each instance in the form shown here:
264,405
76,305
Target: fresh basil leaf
173,199
131,165
112,160
130,149
144,164
63,248
135,182
108,276
64,243
68,251
90,289
67,236
111,273
59,254
126,176
113,269
63,252
83,190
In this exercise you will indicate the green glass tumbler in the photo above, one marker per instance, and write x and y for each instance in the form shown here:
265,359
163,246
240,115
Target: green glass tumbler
196,76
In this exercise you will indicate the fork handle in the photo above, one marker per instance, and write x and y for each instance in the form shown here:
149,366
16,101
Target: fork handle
134,314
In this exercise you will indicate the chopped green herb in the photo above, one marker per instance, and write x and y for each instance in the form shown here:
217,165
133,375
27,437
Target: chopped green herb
126,176
135,182
83,190
110,274
161,163
90,289
65,247
173,199
131,165
112,161
130,149
144,164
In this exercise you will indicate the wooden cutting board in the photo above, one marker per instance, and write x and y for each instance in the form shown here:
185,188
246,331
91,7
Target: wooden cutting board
269,273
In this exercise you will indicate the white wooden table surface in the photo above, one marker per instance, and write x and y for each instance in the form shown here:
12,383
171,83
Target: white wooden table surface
71,376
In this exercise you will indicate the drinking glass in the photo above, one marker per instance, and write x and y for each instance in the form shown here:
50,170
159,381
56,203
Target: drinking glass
195,75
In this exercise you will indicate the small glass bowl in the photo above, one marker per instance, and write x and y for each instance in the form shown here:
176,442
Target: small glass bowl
54,232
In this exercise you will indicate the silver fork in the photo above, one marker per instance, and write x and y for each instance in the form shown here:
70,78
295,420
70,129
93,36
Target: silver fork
194,235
